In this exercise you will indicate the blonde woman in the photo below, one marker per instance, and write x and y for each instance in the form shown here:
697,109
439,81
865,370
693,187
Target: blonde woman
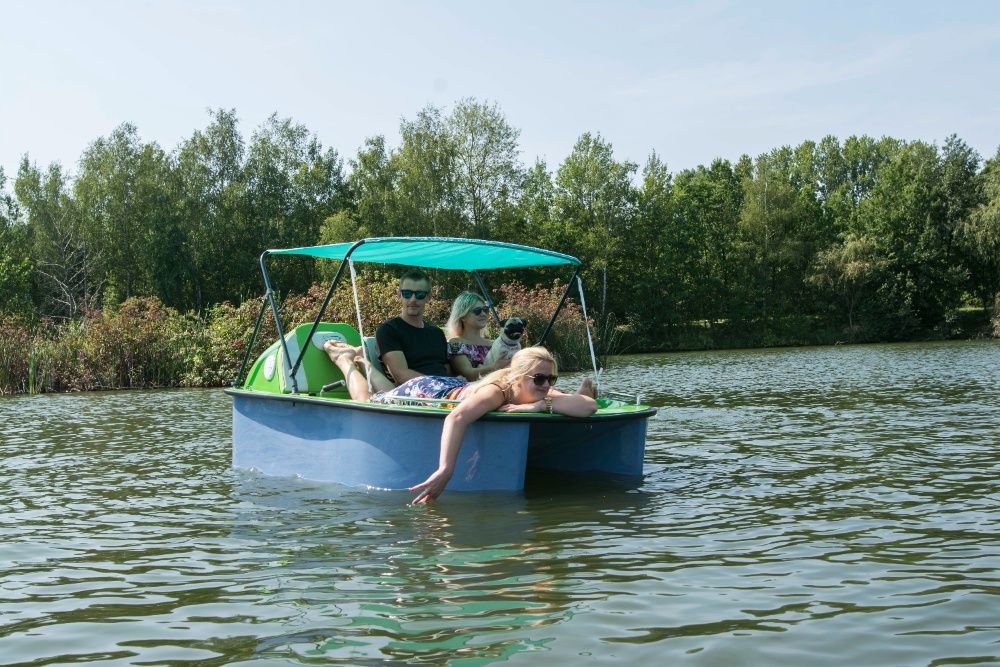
527,385
467,343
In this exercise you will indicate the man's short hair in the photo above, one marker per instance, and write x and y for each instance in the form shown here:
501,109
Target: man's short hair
417,275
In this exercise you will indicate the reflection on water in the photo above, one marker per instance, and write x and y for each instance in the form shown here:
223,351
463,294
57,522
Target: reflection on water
823,506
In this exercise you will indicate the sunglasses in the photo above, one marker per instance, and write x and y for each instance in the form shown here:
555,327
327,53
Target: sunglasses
479,310
541,378
420,294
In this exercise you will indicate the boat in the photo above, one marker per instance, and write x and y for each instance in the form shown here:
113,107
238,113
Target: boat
292,415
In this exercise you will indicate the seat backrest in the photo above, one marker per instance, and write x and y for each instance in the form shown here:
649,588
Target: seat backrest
371,349
316,369
271,371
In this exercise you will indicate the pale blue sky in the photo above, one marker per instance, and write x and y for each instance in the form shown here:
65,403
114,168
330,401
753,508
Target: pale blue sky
690,80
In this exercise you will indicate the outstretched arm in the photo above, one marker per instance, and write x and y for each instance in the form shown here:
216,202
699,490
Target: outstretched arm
571,405
469,410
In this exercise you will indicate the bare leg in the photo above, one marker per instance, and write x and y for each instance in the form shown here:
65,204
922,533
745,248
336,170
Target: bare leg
343,356
379,381
587,388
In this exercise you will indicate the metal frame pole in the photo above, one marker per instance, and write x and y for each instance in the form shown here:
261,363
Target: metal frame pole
253,339
277,317
322,309
562,300
486,295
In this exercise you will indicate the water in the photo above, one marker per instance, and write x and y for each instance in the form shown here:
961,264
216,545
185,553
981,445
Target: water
824,506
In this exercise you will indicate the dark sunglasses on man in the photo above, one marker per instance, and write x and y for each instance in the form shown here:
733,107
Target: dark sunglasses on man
419,294
479,310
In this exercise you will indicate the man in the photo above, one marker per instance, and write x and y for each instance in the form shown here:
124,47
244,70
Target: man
410,347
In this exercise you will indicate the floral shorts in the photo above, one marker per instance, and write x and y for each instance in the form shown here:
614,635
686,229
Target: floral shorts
425,386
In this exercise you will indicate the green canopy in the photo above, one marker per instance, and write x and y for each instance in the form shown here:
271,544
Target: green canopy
438,253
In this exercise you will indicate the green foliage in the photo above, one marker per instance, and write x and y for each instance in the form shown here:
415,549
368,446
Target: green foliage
979,236
568,337
121,198
133,346
15,257
846,271
219,342
995,321
594,206
144,344
60,248
486,163
15,352
862,239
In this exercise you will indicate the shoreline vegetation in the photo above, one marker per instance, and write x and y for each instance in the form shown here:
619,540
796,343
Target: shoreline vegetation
142,344
140,267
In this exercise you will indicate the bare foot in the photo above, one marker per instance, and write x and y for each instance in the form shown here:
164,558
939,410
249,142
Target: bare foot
334,349
587,388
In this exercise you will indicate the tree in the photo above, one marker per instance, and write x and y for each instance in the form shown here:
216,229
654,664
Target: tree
711,282
658,248
595,201
769,225
121,194
15,256
979,236
292,186
920,284
372,185
847,270
487,169
61,249
427,198
210,189
529,215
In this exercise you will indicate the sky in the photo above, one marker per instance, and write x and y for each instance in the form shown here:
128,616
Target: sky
690,81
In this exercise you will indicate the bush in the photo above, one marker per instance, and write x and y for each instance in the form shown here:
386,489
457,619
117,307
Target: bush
568,338
214,352
135,346
144,344
996,317
15,350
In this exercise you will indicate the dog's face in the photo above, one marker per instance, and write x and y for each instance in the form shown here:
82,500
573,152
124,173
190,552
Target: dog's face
513,328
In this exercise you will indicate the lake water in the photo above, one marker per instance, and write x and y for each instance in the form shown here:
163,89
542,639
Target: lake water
818,506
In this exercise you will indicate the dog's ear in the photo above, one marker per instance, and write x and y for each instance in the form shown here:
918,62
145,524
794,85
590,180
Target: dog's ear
503,322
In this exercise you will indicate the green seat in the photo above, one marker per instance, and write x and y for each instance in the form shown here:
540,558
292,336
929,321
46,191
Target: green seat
271,372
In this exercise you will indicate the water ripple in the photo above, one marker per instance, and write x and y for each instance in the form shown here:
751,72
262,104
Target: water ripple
812,506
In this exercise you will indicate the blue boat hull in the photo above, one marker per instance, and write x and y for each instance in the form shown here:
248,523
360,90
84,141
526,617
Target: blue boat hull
361,445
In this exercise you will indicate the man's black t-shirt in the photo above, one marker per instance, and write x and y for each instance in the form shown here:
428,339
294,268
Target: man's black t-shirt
426,349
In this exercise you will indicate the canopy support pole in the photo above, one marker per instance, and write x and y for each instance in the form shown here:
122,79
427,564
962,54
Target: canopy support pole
322,309
253,339
486,295
590,340
269,294
361,331
562,300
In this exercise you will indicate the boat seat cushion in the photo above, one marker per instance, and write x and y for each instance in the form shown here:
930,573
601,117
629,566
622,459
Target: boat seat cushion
371,349
317,370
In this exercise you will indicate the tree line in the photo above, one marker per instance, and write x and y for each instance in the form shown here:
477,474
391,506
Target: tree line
864,239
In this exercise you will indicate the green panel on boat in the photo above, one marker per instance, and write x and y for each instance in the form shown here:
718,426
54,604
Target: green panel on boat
270,372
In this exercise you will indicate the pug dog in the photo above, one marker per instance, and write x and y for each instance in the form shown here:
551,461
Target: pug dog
508,342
